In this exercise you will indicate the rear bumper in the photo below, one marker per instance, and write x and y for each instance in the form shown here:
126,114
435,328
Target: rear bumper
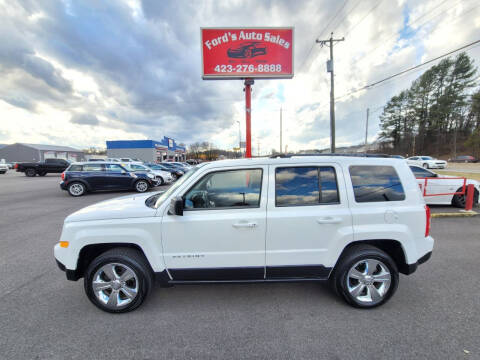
411,268
63,185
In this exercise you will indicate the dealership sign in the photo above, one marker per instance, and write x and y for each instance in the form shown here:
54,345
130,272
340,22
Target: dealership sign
229,53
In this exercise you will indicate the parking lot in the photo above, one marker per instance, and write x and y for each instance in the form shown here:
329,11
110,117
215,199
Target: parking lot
434,314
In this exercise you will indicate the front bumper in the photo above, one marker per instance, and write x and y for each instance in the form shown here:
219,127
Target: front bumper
70,274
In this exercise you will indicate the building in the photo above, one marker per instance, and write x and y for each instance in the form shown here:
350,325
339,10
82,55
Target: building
23,152
147,150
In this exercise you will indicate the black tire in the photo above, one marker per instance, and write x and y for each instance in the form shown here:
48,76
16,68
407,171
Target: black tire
425,166
130,258
141,186
30,172
76,189
43,173
459,201
160,181
352,256
3,172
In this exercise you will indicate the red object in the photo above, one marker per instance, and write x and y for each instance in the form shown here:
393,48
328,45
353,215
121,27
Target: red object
15,166
469,202
449,178
248,115
63,176
427,226
229,53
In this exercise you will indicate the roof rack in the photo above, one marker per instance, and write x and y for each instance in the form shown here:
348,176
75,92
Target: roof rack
332,154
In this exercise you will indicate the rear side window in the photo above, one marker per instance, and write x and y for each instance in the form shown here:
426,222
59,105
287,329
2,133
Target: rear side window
376,183
93,167
302,186
113,168
75,168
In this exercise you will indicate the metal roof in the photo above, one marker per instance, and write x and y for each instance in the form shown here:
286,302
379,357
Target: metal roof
50,147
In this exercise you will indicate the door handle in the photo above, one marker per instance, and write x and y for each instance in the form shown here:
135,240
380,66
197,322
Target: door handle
250,225
329,220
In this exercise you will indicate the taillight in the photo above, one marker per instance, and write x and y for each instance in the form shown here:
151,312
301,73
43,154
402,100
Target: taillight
15,166
63,176
427,226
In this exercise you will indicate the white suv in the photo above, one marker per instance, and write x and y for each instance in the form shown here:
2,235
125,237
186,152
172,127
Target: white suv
355,221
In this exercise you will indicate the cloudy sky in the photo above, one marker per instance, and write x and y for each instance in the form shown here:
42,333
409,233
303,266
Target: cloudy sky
81,72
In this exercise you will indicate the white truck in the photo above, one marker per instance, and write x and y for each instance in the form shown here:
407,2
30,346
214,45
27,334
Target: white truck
355,221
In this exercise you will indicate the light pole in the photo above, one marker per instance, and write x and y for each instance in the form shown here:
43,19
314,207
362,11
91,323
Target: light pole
239,137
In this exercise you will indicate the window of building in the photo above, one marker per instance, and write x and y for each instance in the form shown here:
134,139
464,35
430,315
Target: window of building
309,185
226,189
376,183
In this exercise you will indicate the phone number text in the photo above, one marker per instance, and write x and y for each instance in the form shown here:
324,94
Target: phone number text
242,68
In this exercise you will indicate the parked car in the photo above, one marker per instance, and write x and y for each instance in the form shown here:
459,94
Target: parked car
161,177
97,159
464,159
192,162
42,168
355,221
83,177
427,162
3,168
171,165
247,50
175,173
443,184
397,156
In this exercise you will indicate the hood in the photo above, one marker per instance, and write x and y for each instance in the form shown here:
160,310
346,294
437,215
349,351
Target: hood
130,206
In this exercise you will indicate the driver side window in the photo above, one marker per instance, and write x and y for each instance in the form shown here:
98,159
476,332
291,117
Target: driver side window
226,189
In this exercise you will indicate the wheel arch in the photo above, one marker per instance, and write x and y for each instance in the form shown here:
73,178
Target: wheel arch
392,247
87,185
89,252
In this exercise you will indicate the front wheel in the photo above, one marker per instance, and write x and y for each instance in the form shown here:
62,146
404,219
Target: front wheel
118,280
141,186
159,181
365,277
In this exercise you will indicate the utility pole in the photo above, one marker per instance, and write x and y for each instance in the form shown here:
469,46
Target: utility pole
331,41
239,138
366,130
281,148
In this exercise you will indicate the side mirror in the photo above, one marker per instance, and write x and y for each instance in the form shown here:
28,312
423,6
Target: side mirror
176,206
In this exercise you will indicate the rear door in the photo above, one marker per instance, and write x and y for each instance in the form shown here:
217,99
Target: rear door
94,174
308,216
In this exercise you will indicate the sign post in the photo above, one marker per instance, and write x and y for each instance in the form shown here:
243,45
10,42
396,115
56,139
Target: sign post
247,54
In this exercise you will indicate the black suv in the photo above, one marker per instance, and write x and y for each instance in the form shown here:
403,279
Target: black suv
83,177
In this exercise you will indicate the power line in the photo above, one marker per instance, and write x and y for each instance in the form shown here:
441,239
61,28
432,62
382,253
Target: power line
368,13
407,70
321,33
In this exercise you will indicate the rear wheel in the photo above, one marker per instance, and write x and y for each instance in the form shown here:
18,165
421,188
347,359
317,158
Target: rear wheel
76,189
141,186
118,280
365,277
461,200
159,181
30,172
43,173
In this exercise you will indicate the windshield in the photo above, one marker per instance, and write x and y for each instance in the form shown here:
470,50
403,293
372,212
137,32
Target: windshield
167,193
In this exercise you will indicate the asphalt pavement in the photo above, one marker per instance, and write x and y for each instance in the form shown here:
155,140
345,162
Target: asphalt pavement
434,314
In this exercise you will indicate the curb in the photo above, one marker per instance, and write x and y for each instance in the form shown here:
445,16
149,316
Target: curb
462,214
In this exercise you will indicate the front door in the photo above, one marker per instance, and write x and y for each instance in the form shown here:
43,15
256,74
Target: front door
116,177
221,235
308,219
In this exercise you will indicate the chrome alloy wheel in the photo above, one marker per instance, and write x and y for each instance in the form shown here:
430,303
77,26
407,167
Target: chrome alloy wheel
368,281
115,285
76,189
141,186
